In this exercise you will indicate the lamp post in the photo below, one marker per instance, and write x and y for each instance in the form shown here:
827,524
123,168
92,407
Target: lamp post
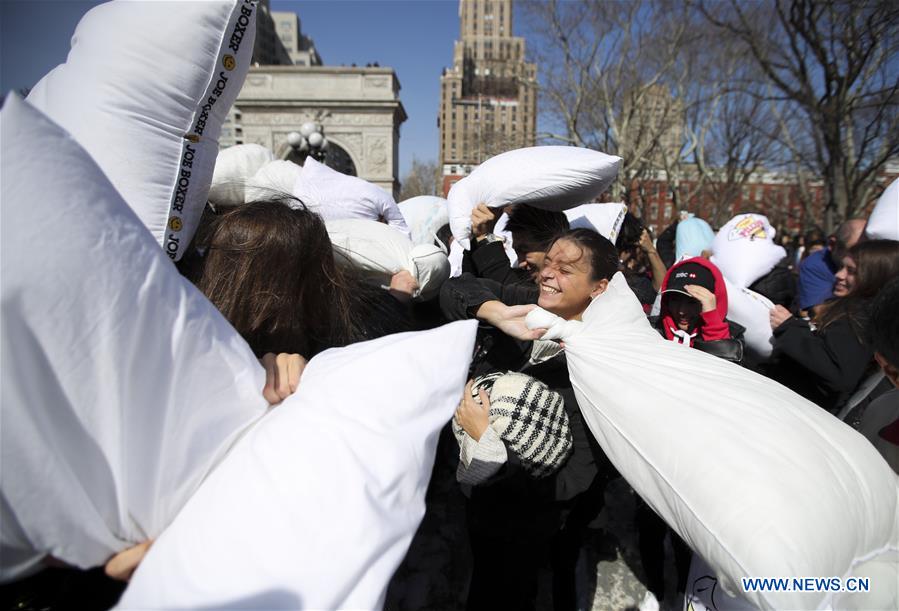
310,141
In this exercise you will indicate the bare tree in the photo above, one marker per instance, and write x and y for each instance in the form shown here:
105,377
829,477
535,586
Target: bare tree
652,82
423,178
835,61
606,80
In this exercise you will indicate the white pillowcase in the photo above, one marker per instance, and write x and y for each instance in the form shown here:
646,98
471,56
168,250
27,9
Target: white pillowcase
424,215
122,385
550,177
381,251
337,196
757,480
604,219
884,220
751,310
744,249
236,167
456,253
316,506
145,90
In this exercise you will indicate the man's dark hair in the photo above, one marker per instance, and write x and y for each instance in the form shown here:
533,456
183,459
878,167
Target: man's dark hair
535,229
630,233
443,235
883,324
814,236
602,254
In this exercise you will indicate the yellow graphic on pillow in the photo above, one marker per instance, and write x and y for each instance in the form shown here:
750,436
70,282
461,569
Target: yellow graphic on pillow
751,228
229,62
175,223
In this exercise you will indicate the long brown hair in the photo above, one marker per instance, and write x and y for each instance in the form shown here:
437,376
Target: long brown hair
269,268
876,262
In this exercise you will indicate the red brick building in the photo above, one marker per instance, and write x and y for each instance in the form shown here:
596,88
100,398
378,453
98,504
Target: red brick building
776,195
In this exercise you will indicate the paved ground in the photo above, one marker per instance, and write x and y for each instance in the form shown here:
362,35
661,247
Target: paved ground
436,570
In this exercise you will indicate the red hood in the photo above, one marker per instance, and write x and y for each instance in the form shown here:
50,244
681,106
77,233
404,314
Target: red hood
720,288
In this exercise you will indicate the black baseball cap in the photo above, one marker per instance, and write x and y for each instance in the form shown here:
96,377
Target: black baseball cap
689,273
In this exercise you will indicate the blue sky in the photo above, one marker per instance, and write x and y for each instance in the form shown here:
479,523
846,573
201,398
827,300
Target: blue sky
415,37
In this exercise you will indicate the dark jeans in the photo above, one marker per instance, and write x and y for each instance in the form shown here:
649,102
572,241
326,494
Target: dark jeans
567,544
652,530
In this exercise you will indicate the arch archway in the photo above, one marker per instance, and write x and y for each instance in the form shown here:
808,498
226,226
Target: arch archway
336,158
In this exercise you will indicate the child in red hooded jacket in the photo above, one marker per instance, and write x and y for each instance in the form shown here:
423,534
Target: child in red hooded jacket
694,307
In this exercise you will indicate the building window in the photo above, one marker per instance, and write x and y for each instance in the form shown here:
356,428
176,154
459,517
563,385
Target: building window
669,208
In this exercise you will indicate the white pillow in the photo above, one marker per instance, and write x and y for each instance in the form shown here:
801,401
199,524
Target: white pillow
145,90
381,251
508,242
744,249
704,594
757,480
455,256
236,167
337,196
424,215
604,219
751,310
121,384
884,220
316,506
550,177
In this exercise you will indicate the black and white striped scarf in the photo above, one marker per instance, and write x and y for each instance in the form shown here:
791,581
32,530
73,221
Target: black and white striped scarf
530,418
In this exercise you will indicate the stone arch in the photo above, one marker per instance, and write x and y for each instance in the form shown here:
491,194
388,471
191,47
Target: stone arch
337,157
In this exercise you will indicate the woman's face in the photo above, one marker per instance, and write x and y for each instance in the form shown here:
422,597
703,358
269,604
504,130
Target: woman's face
846,278
564,281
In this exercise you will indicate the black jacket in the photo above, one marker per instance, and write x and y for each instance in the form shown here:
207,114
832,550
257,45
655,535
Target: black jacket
824,366
727,349
488,260
778,285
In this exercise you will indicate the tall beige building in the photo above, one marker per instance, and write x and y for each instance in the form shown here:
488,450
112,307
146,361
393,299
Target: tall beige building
299,47
488,99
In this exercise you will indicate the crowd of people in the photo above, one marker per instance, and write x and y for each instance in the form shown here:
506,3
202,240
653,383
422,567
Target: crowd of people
533,475
525,455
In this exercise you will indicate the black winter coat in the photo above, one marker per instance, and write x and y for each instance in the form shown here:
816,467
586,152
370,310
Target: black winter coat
824,366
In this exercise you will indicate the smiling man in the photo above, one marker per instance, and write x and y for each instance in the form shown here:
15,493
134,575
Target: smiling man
532,229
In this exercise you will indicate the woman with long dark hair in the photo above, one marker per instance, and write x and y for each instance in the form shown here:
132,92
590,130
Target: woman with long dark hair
825,360
269,268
